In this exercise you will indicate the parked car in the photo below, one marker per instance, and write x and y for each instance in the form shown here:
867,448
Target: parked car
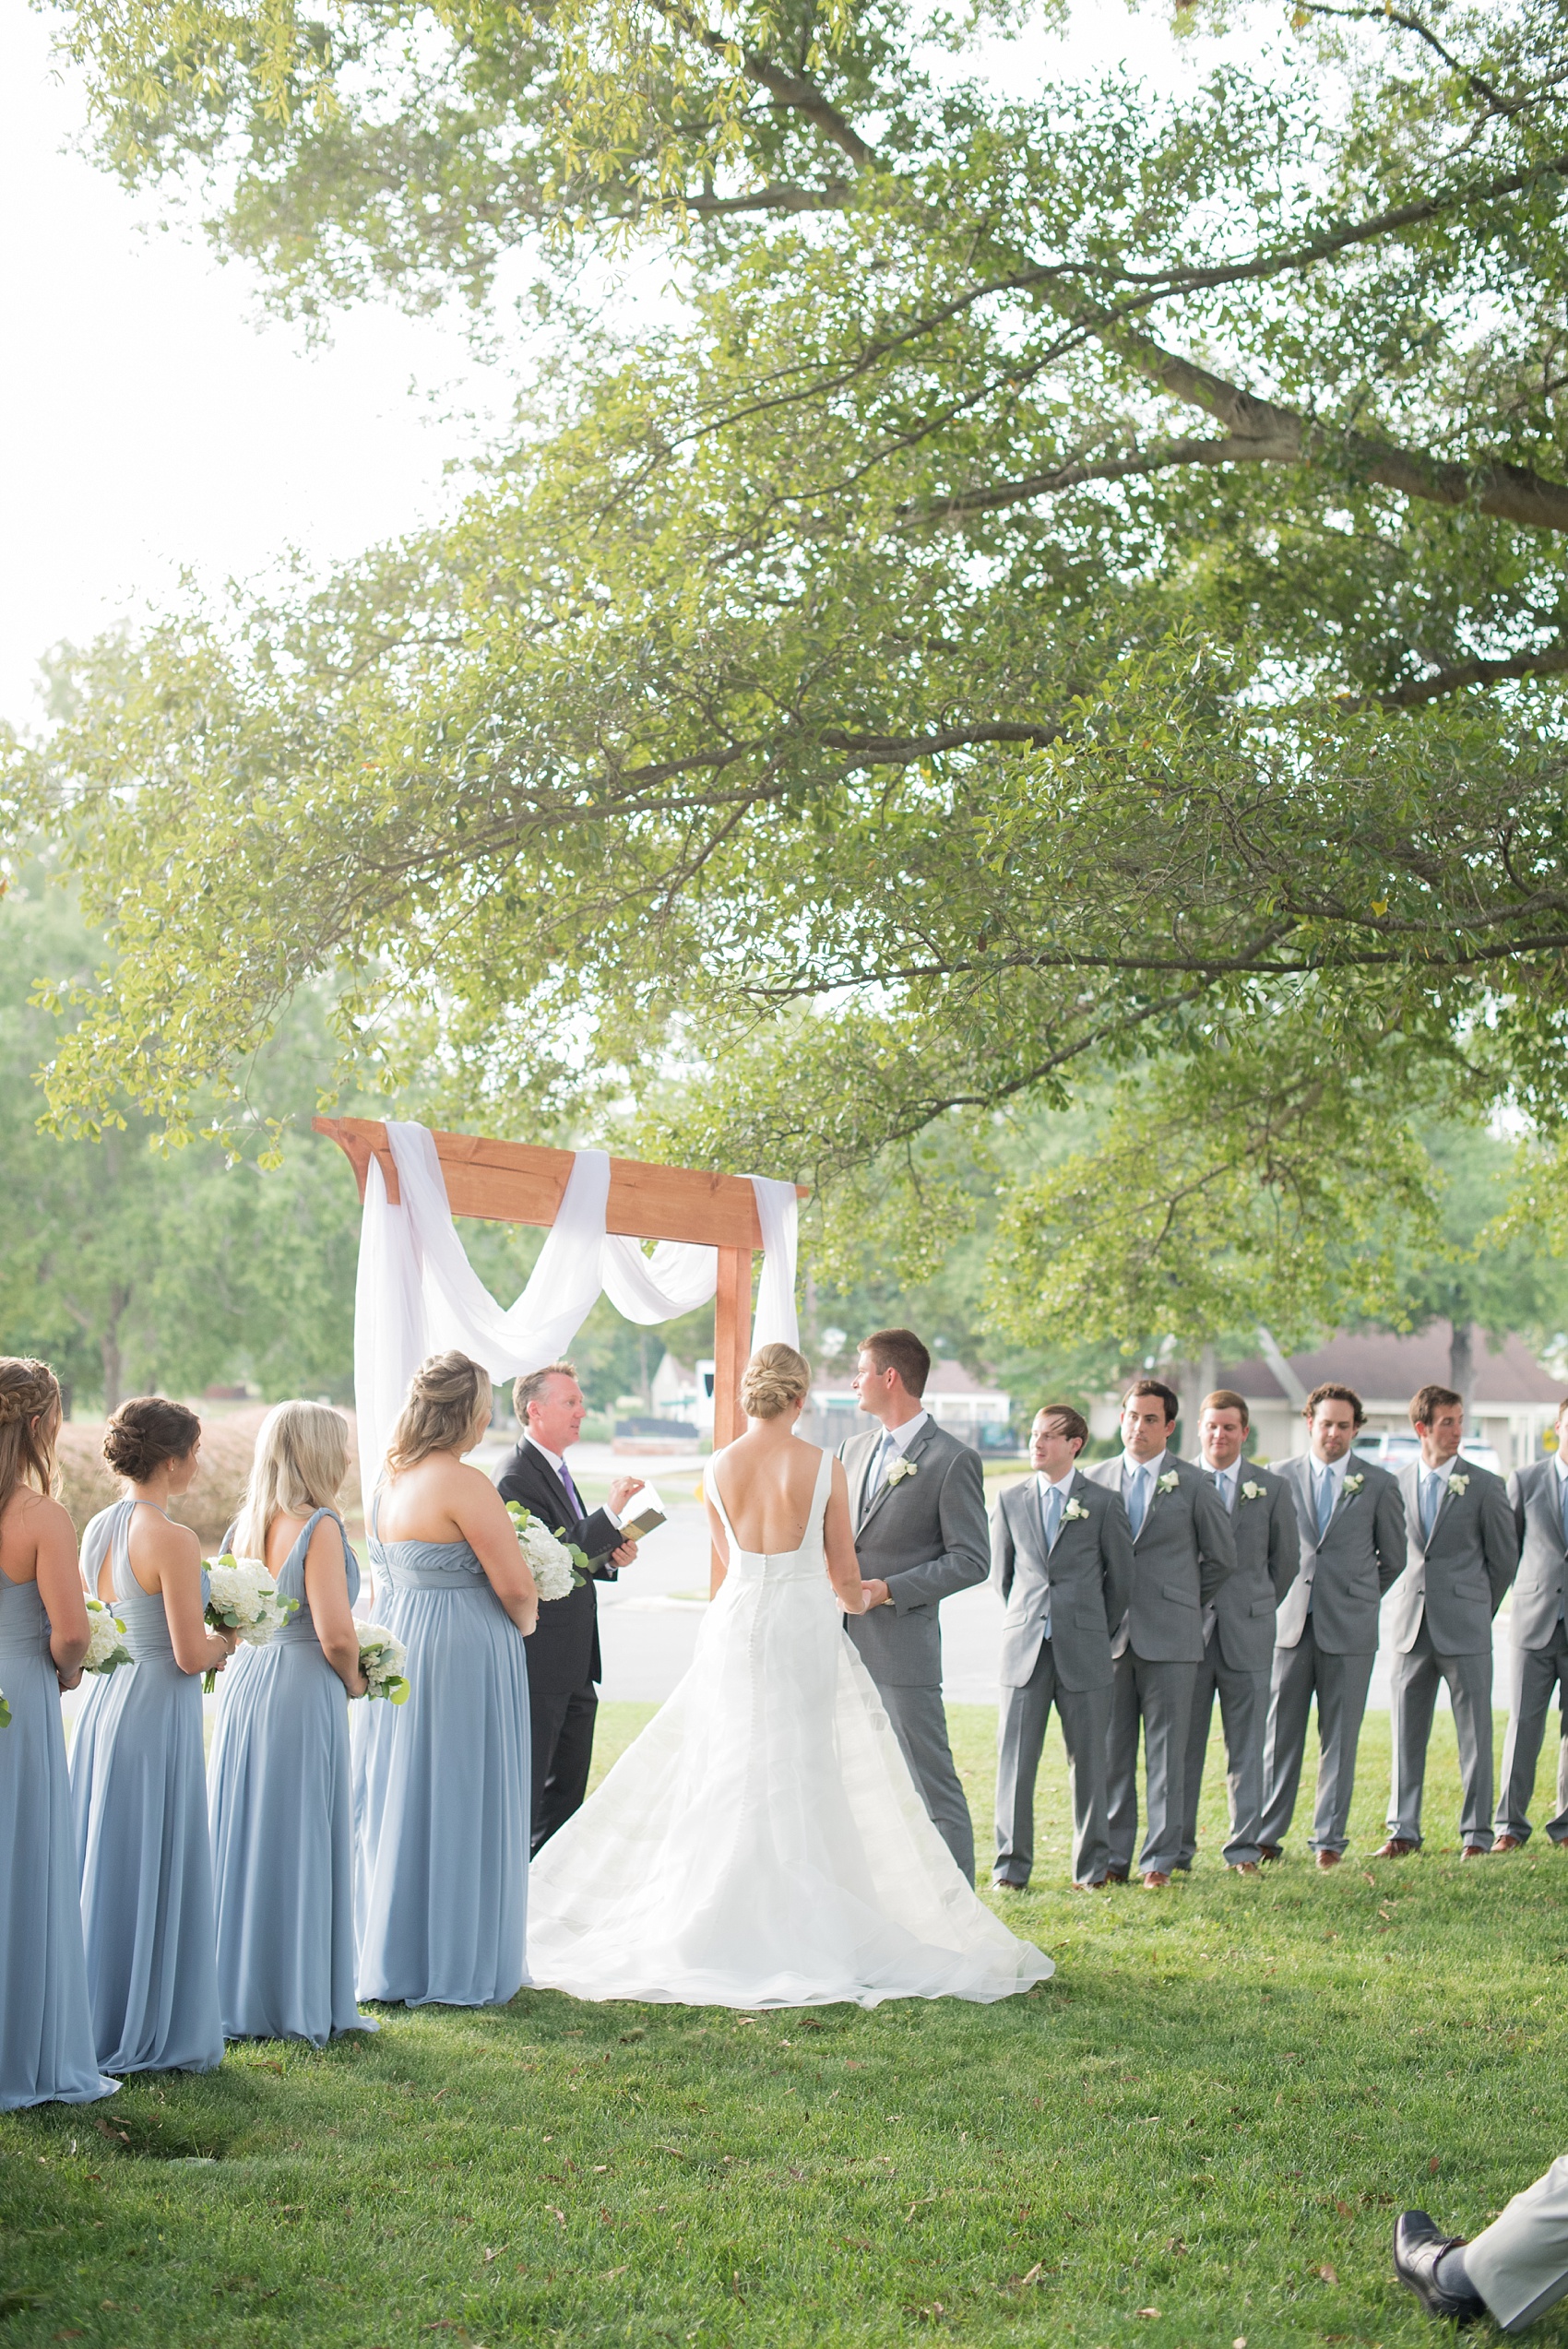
1392,1451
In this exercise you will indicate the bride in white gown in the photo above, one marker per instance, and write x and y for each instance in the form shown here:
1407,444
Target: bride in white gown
761,1843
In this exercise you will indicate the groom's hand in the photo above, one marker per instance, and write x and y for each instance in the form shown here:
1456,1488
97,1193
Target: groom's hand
876,1592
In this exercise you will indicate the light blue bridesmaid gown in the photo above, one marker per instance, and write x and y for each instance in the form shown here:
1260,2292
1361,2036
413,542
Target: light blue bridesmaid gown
440,1789
139,1801
283,1829
46,2050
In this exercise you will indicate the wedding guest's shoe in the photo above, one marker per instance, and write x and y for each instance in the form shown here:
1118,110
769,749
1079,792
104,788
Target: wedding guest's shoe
1115,1875
1509,1844
1419,2244
1329,1859
1156,1880
1242,1866
1397,1847
1270,1852
1476,1850
1090,1883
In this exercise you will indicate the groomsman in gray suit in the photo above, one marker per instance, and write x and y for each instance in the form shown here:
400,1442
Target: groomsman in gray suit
1239,1646
1061,1564
1183,1550
917,1496
1539,1495
1461,1554
1352,1523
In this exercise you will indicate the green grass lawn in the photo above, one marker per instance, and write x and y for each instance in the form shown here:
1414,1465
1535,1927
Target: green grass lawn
1197,2133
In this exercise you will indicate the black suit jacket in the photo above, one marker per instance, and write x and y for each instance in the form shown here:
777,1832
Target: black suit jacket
563,1654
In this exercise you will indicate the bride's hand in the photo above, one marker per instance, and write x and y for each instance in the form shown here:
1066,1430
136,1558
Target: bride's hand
874,1593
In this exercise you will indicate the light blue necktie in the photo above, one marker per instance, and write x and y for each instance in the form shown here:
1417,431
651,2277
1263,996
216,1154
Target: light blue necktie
1432,1494
884,1452
1052,1515
1223,1488
1137,1501
1324,1502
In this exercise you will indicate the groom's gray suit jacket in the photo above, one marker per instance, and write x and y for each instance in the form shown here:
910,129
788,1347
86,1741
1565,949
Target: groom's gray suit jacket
925,1537
1459,1578
1182,1553
1084,1584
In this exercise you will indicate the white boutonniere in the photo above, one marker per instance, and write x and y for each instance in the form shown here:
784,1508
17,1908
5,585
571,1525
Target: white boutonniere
1353,1484
1074,1510
1169,1482
899,1469
1251,1492
1458,1484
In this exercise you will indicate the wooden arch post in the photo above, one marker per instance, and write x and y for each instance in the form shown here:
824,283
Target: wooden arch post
520,1182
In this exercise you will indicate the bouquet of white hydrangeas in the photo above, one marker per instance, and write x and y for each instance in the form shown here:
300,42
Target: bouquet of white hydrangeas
242,1596
106,1649
382,1659
554,1564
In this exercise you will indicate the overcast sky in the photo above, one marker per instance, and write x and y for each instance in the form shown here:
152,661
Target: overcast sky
149,421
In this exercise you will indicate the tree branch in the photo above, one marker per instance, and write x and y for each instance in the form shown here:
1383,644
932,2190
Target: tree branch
795,91
778,196
1552,662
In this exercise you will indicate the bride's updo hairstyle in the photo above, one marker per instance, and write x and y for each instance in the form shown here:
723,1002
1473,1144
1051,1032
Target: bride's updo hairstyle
29,1422
448,1397
774,1378
147,1431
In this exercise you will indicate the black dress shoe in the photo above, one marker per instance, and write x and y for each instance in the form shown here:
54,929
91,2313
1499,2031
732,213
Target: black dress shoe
1419,2244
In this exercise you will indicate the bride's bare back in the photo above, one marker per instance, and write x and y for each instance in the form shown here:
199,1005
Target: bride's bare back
768,1478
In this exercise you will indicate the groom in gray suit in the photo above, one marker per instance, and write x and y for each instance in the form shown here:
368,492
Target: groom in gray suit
1061,1564
1461,1554
1352,1524
1238,1641
1183,1550
917,1499
1539,1497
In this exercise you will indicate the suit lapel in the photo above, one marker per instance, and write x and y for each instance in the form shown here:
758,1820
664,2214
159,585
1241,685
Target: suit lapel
1411,1486
884,1488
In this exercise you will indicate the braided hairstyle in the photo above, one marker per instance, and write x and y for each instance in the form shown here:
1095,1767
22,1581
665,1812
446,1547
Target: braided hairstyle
29,1424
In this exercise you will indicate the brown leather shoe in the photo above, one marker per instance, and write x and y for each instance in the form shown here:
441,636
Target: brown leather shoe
1242,1866
1156,1881
1115,1875
1476,1850
1397,1847
1329,1859
1271,1851
1509,1844
1090,1883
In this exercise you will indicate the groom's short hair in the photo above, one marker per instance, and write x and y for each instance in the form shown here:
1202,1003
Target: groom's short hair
530,1389
899,1350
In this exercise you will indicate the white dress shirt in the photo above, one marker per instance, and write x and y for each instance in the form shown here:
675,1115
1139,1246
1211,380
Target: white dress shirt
892,1442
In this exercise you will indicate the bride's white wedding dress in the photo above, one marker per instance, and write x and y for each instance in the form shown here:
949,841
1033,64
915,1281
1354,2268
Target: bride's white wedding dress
762,1842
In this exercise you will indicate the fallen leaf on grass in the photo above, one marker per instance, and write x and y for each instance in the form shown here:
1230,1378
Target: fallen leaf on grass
610,2273
1432,2165
1035,2273
1344,2210
1145,2312
106,2128
1327,2273
554,2213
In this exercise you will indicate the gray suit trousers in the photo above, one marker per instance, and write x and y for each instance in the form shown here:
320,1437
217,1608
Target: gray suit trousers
1085,1716
1538,1671
1161,1695
1519,2264
1243,1711
1340,1684
919,1724
1413,1683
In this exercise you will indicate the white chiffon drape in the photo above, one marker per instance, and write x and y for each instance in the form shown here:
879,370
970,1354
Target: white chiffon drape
761,1843
416,1293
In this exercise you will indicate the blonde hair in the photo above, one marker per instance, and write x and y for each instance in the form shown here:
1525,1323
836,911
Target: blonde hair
302,1458
29,1391
445,1396
774,1378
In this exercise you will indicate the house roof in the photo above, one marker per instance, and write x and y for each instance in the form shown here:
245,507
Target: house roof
948,1377
1383,1369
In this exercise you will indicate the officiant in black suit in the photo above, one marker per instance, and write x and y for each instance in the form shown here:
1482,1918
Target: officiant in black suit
563,1654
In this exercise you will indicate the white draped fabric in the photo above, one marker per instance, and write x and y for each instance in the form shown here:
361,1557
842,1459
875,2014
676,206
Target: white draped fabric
418,1294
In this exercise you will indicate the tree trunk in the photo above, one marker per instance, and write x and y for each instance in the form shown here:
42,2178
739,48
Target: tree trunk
1193,1380
1462,1363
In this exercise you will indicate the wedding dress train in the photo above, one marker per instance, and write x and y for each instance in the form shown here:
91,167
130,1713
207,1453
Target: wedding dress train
762,1842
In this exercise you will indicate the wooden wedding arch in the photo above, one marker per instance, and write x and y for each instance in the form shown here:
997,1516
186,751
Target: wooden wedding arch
520,1183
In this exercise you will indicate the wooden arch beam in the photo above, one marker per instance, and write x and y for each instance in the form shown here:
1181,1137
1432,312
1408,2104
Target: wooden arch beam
521,1182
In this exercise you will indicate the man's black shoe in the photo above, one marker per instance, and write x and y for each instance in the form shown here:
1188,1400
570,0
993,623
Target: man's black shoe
1419,2244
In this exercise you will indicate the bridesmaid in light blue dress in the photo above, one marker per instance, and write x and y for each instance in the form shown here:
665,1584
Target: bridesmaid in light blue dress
441,1782
46,2046
138,1780
280,1805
